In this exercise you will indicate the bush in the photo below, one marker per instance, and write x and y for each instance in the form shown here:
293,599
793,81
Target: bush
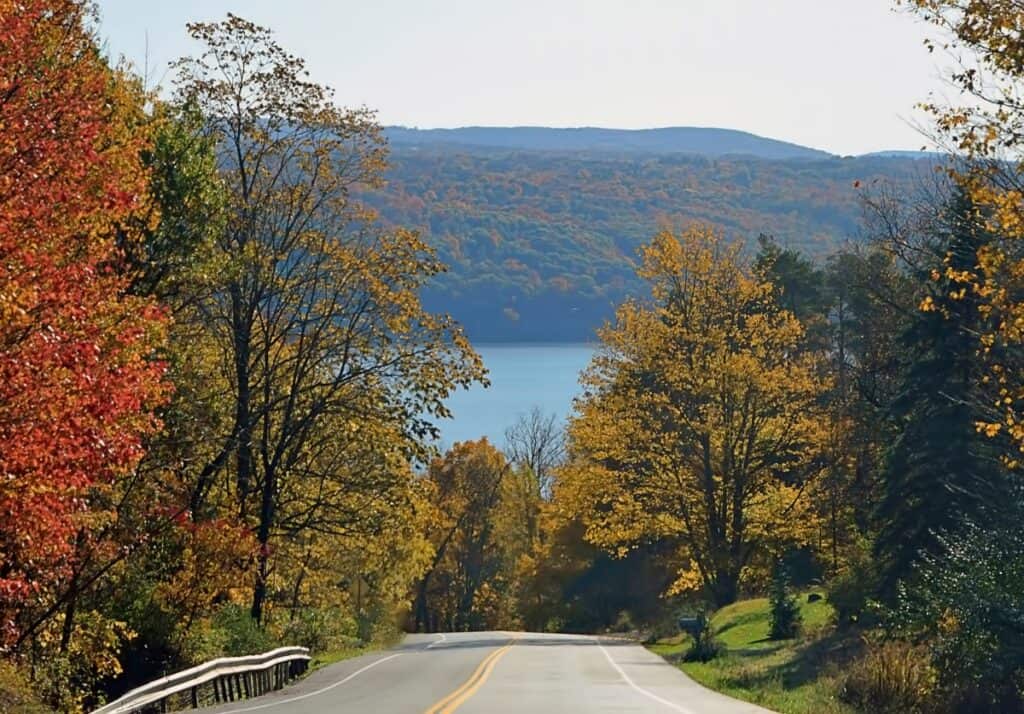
623,623
664,628
70,680
893,677
785,610
852,592
321,630
555,624
242,634
968,606
16,693
705,647
230,632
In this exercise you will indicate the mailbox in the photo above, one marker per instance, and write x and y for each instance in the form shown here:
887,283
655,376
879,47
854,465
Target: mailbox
692,625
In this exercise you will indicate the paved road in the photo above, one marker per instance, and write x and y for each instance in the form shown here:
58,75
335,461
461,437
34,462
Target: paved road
498,673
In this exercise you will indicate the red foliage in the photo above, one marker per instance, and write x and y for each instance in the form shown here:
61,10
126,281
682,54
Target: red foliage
77,380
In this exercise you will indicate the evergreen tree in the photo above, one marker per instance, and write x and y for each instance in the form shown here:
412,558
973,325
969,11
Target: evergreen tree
799,286
941,472
785,611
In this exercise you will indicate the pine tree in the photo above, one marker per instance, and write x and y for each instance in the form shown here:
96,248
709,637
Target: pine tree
785,611
941,472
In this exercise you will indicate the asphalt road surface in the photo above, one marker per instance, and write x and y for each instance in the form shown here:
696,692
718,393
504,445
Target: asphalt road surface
498,673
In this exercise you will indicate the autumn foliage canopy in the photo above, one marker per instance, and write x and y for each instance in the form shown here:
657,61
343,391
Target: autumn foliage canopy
78,381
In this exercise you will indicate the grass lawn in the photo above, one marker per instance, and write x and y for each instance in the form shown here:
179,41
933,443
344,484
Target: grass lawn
789,676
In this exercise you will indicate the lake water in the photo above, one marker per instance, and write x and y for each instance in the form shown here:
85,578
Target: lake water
522,376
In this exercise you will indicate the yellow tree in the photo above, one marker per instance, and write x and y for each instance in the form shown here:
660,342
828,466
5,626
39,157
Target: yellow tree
699,418
985,128
315,316
467,489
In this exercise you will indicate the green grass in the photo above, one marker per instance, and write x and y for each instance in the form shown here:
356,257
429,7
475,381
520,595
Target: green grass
671,649
789,676
324,659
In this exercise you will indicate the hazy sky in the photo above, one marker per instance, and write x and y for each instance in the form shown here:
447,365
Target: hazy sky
840,75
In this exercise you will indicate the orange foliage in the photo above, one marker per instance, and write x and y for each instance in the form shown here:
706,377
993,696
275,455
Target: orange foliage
77,378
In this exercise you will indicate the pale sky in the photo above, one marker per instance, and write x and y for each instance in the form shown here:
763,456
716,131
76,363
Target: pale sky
839,75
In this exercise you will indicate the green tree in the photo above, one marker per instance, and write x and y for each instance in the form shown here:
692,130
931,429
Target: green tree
941,471
785,610
799,284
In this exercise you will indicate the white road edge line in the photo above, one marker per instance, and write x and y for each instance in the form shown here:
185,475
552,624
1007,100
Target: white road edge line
435,643
319,691
634,685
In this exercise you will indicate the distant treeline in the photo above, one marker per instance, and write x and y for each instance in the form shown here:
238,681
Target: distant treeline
541,245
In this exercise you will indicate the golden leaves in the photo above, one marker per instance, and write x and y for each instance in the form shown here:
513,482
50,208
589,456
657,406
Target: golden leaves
699,404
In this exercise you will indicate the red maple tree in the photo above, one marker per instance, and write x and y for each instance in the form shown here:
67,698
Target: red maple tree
78,378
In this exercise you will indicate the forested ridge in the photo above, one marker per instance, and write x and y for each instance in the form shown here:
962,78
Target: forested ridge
703,141
541,245
221,371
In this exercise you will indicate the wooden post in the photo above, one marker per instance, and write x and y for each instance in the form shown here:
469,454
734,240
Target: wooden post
195,697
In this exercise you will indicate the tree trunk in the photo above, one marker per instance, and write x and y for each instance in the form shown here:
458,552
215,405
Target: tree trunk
259,594
243,417
422,612
725,589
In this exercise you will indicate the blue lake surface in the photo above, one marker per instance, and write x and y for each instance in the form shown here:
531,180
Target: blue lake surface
522,375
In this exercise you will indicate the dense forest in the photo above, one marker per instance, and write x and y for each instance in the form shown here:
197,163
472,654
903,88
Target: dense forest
221,370
542,245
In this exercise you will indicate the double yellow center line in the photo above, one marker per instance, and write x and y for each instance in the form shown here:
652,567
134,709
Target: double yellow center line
457,698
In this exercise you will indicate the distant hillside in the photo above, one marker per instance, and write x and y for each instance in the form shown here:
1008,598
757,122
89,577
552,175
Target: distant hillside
678,140
903,154
541,244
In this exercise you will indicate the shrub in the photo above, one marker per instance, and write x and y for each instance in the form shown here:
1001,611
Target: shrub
321,630
705,647
555,624
69,680
663,628
243,636
16,693
785,610
852,592
623,623
230,632
891,677
968,606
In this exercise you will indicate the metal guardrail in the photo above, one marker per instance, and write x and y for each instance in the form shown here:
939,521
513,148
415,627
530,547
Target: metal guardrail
230,678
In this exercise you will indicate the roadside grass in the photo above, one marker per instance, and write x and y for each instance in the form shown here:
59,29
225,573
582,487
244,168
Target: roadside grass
323,659
797,676
356,648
